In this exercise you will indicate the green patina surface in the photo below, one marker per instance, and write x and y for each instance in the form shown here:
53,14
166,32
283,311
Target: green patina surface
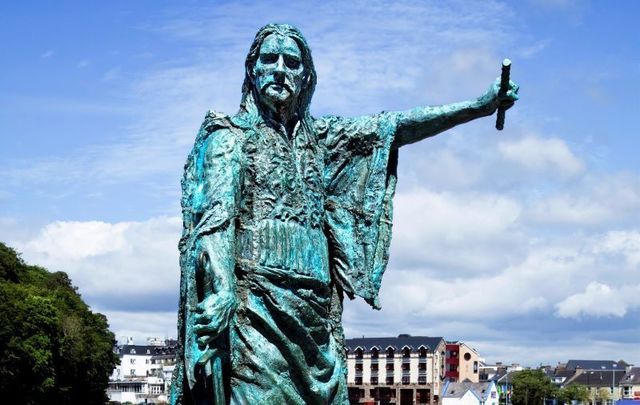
284,215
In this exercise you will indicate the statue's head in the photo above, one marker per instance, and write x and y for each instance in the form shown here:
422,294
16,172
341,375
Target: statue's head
279,71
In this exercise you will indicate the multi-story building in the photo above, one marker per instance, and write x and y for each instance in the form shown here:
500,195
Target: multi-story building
462,362
395,370
141,375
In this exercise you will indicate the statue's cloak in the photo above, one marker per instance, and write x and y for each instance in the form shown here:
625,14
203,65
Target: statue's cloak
357,158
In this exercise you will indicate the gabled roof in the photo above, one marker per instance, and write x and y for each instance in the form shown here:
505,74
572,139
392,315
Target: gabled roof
507,377
596,364
458,389
632,376
414,342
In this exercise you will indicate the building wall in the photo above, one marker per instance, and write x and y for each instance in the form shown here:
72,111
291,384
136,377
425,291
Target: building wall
630,391
413,373
469,365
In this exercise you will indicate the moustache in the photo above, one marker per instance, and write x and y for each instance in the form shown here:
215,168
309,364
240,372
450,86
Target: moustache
271,82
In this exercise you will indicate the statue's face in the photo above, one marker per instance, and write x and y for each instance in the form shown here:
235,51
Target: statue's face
279,73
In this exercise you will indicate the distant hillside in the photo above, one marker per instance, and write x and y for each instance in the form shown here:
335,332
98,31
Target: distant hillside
53,349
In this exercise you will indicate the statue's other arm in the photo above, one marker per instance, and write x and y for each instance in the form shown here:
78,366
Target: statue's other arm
424,122
212,203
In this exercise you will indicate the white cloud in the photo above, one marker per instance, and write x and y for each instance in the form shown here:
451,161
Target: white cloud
62,241
141,325
625,242
594,201
600,300
108,260
542,155
529,51
431,228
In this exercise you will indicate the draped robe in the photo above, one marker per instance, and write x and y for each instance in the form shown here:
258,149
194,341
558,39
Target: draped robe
309,221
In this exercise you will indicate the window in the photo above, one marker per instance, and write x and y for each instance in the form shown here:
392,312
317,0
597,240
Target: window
375,353
422,379
374,380
423,352
406,379
467,356
406,352
374,366
390,353
422,366
389,380
358,353
358,380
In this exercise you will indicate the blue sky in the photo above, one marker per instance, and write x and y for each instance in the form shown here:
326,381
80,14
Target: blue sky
524,243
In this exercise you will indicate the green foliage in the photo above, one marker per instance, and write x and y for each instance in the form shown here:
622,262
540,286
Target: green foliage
531,387
574,392
53,349
603,394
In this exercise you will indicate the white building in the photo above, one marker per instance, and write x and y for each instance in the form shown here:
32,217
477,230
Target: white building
140,376
470,393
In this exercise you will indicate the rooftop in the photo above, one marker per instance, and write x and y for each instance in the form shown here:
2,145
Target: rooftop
397,343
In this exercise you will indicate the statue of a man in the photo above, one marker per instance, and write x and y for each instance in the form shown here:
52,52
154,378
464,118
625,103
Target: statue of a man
284,214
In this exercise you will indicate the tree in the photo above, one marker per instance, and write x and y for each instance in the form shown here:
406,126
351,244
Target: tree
531,387
574,392
53,349
603,394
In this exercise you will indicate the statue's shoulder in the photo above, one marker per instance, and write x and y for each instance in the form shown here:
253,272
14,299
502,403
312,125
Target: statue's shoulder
219,133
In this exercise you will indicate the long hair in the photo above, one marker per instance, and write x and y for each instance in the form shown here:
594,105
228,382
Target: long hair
248,104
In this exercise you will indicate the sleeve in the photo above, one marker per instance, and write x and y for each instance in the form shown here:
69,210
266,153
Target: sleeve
210,192
360,179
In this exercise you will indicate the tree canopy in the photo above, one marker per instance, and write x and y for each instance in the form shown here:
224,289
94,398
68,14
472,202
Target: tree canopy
531,387
53,348
574,392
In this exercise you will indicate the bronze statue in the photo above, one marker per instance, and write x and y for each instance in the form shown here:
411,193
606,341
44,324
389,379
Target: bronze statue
285,214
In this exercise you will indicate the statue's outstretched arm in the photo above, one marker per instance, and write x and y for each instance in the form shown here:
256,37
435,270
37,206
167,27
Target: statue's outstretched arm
423,122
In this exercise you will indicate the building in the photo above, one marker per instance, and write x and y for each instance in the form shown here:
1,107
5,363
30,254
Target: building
630,384
470,393
395,370
603,385
144,372
462,362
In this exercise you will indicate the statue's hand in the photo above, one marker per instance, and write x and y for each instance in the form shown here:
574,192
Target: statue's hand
494,98
213,315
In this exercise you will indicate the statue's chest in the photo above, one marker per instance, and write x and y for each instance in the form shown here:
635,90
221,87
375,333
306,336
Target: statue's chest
283,179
